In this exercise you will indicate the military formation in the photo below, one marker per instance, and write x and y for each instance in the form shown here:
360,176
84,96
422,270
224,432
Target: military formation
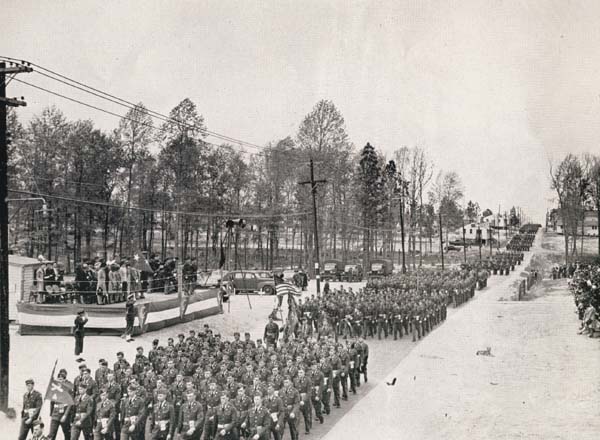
201,386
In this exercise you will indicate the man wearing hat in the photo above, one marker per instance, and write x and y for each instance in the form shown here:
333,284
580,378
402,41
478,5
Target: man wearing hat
105,418
191,418
79,333
83,409
60,414
32,404
164,417
259,420
132,410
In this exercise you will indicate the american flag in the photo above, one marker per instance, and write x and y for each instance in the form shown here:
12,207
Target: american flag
286,289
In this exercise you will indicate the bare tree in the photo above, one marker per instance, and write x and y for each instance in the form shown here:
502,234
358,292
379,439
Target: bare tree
566,181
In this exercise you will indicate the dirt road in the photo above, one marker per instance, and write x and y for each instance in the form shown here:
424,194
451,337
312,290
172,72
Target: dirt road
541,381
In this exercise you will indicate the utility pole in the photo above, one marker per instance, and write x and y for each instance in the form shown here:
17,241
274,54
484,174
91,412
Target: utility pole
4,335
313,185
464,242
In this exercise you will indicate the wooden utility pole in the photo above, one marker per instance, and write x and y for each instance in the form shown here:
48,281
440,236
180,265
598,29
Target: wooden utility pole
4,335
313,185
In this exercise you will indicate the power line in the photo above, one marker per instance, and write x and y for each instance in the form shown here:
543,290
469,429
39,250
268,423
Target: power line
115,99
165,211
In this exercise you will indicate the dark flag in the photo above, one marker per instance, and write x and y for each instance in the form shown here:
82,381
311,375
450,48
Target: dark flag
140,263
59,392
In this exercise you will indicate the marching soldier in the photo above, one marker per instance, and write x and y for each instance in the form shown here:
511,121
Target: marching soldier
304,386
242,403
38,431
132,412
271,332
105,418
83,409
259,420
291,403
274,405
163,418
226,419
317,380
191,418
32,404
60,416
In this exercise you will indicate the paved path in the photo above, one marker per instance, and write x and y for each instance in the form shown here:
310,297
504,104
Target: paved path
541,382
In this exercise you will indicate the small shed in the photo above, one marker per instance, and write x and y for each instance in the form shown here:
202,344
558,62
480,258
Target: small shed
21,274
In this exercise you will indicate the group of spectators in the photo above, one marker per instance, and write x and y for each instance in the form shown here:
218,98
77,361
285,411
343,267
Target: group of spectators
585,285
105,282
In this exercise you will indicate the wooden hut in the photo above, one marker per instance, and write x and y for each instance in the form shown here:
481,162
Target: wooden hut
21,275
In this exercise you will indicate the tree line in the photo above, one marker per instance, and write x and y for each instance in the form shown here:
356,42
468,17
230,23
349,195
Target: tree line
576,181
162,187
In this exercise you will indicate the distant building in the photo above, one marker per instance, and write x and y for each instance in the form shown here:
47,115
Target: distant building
590,223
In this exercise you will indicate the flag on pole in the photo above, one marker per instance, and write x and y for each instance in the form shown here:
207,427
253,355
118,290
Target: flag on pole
286,289
59,392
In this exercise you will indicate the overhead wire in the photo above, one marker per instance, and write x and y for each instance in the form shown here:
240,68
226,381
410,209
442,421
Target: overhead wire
165,211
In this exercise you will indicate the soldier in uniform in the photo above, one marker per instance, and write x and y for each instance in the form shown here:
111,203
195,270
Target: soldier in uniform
79,333
226,419
317,380
304,386
271,332
38,431
274,405
291,403
258,420
132,412
32,404
60,416
191,418
163,416
83,410
105,418
242,403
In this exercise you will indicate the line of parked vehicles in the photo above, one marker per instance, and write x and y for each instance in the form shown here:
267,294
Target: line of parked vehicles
263,281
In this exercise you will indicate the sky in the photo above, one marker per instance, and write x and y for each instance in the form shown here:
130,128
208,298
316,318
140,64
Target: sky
494,90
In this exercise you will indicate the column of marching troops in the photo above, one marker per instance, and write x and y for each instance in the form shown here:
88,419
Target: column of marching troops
203,387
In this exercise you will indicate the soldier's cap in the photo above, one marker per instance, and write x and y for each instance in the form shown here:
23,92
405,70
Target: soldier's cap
82,366
132,387
236,333
155,342
62,370
62,374
29,382
80,312
39,423
181,335
87,370
247,334
139,348
101,361
258,394
120,353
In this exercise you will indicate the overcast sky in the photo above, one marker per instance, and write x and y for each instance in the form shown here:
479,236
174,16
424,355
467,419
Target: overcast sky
492,89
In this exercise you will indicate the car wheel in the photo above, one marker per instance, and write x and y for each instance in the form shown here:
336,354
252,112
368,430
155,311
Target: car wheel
267,290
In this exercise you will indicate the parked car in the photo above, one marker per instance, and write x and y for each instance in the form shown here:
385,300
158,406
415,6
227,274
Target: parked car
260,281
381,268
332,270
352,273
